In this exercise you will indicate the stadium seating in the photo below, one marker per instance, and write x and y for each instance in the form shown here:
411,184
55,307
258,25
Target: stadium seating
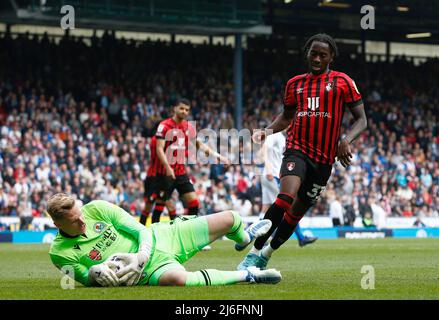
78,119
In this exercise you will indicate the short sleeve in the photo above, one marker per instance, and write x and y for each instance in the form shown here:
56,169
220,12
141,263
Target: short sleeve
289,98
162,129
351,95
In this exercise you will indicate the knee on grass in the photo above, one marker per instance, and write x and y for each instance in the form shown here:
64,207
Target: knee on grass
173,278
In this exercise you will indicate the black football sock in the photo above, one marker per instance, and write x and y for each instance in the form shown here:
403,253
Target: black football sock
172,214
275,213
193,207
286,229
143,217
158,209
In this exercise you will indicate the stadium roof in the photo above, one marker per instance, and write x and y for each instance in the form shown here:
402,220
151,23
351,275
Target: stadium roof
209,17
394,19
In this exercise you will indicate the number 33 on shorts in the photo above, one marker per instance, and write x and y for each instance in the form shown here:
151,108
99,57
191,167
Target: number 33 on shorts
314,194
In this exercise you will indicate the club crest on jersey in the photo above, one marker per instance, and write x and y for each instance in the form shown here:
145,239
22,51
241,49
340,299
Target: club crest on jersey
291,165
329,86
95,255
98,227
300,90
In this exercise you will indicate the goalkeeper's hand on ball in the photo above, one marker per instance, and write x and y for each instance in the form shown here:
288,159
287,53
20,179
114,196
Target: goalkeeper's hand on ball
103,275
133,263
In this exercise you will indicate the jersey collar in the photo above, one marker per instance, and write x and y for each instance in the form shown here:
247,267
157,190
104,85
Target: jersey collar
320,75
69,236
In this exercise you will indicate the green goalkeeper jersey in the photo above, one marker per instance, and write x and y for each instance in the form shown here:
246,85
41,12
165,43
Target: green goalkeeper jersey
110,230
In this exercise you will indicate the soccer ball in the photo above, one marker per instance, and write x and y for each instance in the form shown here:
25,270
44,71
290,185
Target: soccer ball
115,264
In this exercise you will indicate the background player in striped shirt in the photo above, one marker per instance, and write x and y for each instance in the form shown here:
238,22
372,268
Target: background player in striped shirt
173,138
314,104
150,191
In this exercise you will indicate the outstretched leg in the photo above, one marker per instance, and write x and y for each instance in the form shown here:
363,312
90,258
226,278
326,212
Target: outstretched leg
229,223
286,228
213,277
288,190
289,187
226,223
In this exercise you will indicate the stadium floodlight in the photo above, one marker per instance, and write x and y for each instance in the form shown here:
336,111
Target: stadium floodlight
333,4
402,8
418,35
287,1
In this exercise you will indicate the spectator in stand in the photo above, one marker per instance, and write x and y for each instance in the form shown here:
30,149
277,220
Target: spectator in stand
25,212
84,124
418,223
336,210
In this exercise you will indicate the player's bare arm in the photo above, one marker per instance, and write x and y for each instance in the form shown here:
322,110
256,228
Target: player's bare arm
204,147
268,166
162,157
281,122
344,154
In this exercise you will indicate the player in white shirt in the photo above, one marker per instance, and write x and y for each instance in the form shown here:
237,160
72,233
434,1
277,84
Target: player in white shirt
273,149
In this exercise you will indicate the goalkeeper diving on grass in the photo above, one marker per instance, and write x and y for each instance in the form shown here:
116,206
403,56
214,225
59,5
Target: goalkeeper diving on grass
107,247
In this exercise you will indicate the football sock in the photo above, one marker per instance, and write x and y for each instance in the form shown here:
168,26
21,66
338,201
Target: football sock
172,214
193,207
143,217
299,233
286,229
275,213
158,209
213,277
237,232
254,250
145,213
267,251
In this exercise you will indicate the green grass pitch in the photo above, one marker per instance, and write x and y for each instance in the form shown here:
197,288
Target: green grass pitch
327,269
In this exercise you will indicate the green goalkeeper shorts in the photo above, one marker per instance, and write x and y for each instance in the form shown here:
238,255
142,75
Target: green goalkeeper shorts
175,243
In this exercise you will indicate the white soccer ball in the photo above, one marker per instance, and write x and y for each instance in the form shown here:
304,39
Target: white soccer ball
115,264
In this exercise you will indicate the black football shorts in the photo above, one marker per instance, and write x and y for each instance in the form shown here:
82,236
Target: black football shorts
314,175
165,185
150,188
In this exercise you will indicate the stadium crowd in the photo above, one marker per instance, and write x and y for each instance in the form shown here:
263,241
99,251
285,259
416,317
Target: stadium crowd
78,118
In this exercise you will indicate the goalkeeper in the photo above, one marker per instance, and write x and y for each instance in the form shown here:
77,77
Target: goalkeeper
105,246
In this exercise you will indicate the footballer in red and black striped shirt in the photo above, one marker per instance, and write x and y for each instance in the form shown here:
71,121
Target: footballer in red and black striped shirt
318,102
314,104
151,190
173,137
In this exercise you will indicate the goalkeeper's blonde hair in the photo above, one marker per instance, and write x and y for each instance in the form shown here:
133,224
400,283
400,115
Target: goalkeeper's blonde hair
59,205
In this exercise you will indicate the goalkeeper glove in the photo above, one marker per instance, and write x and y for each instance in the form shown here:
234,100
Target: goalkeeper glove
103,275
134,264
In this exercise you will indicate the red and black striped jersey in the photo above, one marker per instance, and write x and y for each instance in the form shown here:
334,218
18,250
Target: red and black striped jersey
319,102
177,137
154,163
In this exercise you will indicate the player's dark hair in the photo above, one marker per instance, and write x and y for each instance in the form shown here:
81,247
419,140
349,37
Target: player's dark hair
321,37
182,101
